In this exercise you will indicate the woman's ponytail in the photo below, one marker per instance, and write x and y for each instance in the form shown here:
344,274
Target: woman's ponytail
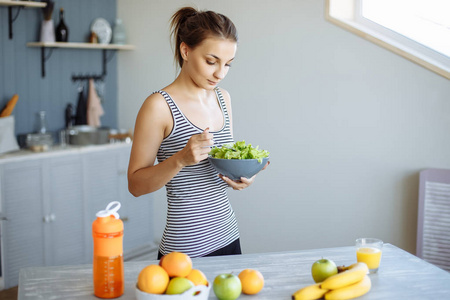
191,26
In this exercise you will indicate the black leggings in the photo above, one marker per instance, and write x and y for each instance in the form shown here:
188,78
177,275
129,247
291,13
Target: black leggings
231,249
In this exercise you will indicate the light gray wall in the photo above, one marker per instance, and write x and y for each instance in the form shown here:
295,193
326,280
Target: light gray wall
349,124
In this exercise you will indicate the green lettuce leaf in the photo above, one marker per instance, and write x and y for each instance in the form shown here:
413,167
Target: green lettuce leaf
239,150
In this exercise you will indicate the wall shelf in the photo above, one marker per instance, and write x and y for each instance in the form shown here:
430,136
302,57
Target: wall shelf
81,46
19,5
62,45
22,3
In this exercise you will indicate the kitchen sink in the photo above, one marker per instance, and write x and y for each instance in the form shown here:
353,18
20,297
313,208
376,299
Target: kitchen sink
82,135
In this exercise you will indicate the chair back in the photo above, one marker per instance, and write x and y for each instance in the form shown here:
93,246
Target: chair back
433,226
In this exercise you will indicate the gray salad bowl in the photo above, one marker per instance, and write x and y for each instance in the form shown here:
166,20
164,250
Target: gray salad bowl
237,168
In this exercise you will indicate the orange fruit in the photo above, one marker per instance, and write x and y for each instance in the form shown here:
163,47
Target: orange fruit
252,281
176,264
153,279
197,277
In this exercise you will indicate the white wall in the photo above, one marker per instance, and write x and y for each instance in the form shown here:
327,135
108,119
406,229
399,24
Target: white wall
349,124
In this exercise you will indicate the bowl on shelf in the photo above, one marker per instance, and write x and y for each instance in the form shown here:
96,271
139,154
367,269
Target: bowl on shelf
237,168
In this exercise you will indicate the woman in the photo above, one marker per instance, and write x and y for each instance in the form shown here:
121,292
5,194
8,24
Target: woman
178,125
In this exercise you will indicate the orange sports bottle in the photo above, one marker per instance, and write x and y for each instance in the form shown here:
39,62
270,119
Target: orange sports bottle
107,231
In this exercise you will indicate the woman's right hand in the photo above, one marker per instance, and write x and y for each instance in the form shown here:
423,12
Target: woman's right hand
197,148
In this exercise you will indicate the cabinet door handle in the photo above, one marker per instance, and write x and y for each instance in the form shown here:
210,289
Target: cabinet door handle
49,218
124,219
3,218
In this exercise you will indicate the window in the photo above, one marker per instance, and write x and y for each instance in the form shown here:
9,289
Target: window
418,30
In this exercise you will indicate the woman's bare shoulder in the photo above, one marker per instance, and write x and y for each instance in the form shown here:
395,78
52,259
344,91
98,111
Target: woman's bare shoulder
154,119
155,100
155,105
224,92
154,109
226,96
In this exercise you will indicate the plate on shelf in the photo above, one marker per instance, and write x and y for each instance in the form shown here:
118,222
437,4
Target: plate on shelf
102,29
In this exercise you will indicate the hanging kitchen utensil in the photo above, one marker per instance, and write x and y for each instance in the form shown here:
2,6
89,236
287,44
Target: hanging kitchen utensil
80,116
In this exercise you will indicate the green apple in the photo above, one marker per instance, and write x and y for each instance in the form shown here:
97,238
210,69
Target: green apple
178,285
227,286
322,269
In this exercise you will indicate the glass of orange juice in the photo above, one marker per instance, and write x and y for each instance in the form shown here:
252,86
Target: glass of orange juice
368,251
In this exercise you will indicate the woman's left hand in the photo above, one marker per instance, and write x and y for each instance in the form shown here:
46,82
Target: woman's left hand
238,184
243,183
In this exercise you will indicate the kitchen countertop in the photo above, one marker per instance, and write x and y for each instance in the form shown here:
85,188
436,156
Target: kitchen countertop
401,275
57,150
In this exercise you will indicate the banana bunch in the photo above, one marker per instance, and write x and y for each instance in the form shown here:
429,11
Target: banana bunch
352,282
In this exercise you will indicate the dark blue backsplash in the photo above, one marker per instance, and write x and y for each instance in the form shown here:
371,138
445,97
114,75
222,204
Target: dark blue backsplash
20,66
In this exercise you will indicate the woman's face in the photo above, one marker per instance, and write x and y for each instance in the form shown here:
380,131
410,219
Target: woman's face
208,63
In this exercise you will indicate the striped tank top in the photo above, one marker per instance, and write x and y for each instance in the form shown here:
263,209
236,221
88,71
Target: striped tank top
200,219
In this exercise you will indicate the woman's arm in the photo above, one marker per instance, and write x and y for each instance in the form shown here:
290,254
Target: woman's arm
153,123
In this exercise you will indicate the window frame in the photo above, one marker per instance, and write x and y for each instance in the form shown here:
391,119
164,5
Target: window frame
347,14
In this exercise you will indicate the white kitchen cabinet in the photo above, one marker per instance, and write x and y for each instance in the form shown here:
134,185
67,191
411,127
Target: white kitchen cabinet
50,204
42,205
101,187
23,210
64,212
105,176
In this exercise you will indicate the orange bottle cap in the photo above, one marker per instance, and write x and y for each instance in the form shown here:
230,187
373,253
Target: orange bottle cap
110,210
108,220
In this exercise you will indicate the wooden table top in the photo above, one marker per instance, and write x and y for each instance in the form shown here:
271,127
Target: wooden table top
401,275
